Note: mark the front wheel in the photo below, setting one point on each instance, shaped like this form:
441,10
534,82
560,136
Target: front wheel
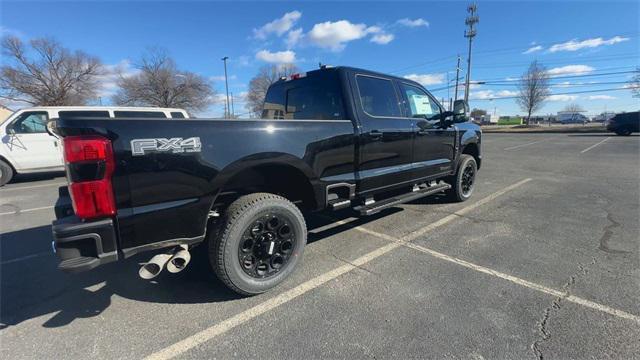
258,244
6,173
463,182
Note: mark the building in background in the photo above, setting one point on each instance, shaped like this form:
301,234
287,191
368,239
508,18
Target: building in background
4,113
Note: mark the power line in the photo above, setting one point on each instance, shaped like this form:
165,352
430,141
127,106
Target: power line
566,93
503,50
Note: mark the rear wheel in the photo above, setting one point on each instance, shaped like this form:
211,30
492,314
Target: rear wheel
624,132
258,244
463,182
6,173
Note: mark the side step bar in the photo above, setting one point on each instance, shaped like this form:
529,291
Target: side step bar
400,199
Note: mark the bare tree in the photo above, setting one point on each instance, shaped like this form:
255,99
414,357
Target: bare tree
52,75
573,108
634,84
533,89
260,83
159,83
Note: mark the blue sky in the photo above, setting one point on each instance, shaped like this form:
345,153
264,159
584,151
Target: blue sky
418,39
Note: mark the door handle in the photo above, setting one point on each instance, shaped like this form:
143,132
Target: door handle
375,134
423,132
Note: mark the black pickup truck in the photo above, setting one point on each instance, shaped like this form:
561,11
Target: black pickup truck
236,190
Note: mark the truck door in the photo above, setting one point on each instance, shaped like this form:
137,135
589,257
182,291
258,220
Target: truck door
434,145
386,136
28,144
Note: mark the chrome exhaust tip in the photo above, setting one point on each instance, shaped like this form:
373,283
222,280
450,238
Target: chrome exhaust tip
180,260
154,267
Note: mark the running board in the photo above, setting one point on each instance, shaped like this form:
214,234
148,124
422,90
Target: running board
400,199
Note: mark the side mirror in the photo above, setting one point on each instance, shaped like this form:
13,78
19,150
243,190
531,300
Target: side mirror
460,107
10,130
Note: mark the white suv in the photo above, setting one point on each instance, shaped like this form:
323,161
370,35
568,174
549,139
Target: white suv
28,148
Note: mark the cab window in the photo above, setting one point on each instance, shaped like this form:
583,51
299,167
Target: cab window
83,114
139,114
31,123
419,104
378,96
177,115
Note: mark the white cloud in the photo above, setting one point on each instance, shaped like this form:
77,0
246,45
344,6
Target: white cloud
278,26
533,49
601,97
382,38
564,84
562,97
221,77
413,23
278,57
426,79
293,37
335,35
570,70
505,93
490,94
112,72
574,45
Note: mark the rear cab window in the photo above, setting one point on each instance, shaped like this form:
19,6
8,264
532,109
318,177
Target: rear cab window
177,115
315,97
139,114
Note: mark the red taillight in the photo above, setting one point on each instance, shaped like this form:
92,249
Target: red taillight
91,198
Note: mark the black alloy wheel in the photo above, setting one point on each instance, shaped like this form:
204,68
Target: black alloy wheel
267,245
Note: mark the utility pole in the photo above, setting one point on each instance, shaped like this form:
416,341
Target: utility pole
233,111
470,33
226,86
457,78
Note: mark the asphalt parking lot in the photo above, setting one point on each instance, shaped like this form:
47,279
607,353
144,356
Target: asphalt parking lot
541,263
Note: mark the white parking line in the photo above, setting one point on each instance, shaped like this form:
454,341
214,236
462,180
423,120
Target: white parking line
207,334
27,210
523,145
594,145
31,187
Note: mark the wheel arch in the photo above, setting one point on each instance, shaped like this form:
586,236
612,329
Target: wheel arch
281,174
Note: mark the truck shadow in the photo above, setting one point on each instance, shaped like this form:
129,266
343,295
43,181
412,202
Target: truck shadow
31,286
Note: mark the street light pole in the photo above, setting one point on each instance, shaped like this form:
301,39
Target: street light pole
226,86
470,21
233,111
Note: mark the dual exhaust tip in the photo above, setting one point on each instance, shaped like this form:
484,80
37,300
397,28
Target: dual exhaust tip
175,261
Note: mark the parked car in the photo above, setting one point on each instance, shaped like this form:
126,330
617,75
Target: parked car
572,118
625,123
235,190
28,148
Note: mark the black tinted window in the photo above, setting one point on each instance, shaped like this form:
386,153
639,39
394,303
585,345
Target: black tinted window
313,102
317,96
31,123
378,97
77,114
139,114
177,115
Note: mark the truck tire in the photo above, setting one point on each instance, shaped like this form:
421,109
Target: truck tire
623,132
6,173
463,182
258,243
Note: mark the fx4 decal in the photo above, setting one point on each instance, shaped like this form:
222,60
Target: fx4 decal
173,145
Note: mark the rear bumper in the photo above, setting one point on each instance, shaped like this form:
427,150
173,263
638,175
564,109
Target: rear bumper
83,246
